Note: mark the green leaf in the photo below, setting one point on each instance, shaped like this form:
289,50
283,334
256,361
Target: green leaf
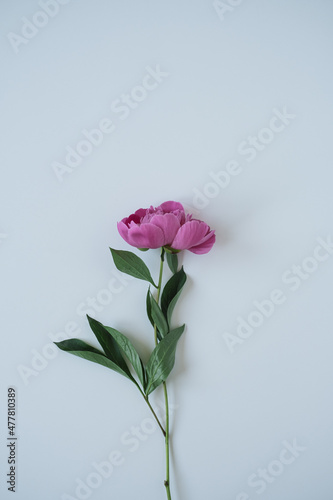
148,307
129,263
171,293
108,344
172,260
115,344
162,359
130,352
158,317
85,351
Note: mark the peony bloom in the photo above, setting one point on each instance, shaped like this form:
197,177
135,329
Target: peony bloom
166,226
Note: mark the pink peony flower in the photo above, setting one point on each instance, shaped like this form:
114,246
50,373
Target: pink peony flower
166,226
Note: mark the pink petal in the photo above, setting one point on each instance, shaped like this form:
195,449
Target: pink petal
133,217
140,213
170,206
169,224
123,229
205,246
190,234
145,236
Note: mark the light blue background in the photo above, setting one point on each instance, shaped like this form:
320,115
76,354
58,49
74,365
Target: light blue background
231,411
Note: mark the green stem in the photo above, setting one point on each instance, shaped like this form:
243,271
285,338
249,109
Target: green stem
167,454
166,433
155,334
153,412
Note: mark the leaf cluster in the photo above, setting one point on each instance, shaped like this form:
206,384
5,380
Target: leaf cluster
117,351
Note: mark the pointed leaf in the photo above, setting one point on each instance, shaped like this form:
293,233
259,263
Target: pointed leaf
171,293
131,264
115,344
130,352
108,344
162,359
158,317
85,351
172,260
148,307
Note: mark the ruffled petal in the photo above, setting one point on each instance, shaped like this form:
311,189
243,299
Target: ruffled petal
170,206
206,245
123,229
141,212
190,234
169,224
145,236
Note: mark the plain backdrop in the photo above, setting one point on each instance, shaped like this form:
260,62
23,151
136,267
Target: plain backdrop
219,74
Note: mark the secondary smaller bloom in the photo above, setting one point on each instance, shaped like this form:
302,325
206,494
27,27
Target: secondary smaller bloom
166,226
